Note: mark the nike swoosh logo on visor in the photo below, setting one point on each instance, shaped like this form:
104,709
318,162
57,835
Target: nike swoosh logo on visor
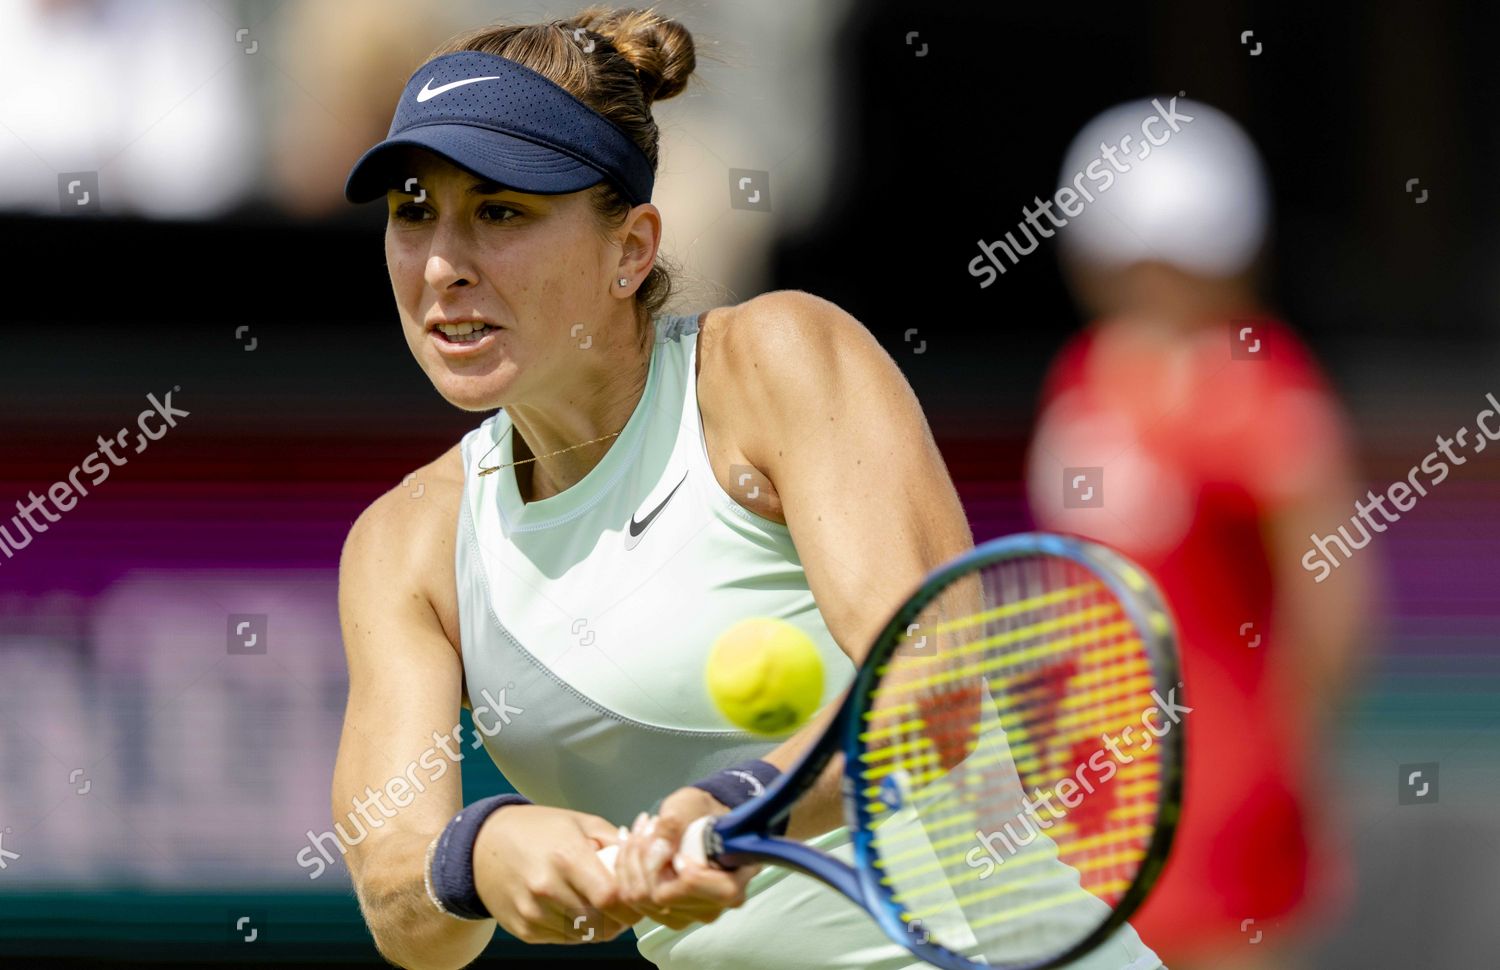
429,92
633,536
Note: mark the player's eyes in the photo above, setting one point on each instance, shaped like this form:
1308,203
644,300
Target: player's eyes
490,211
413,212
409,212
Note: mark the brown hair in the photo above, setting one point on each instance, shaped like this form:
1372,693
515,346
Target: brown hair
637,57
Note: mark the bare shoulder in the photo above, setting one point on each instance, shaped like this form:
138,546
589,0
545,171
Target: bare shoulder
782,350
780,322
402,543
761,360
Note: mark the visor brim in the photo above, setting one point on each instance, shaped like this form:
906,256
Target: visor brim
512,162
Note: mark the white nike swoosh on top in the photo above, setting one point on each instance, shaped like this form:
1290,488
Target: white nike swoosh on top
429,92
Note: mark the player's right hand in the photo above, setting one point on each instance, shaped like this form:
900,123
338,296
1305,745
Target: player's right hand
656,878
537,871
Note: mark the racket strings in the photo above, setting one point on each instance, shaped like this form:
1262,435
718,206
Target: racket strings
990,828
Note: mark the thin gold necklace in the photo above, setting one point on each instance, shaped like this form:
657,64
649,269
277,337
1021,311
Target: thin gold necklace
485,471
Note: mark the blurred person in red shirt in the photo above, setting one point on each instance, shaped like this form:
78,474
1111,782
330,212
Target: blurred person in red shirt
1192,430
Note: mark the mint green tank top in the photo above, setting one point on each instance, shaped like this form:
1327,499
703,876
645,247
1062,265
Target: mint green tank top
586,618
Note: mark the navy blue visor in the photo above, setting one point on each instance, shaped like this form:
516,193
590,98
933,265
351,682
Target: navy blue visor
505,123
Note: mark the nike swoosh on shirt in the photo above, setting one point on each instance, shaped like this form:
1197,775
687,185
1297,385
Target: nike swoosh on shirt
429,92
637,528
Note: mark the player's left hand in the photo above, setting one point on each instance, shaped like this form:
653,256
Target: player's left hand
655,880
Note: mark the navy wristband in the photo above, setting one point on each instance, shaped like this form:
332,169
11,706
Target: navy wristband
739,783
450,859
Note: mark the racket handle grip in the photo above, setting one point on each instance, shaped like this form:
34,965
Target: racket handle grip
694,845
691,846
607,854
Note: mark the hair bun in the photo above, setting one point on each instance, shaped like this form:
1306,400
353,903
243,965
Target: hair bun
660,49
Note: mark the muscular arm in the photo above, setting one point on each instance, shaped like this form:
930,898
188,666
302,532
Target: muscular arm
405,688
833,423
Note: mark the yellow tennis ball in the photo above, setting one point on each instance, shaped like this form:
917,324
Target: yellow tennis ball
765,675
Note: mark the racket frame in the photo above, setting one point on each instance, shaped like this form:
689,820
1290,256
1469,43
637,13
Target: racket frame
739,836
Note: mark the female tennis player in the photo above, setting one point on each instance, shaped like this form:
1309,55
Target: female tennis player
656,478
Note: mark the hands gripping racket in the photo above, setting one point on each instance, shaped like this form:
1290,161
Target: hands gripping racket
1012,760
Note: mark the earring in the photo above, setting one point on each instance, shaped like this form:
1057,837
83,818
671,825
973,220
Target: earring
624,281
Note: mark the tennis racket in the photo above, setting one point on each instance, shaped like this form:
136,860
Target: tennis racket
1012,760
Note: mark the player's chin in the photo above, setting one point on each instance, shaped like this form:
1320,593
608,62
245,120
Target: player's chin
482,382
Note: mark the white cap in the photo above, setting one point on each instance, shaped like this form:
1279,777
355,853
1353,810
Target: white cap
1199,200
